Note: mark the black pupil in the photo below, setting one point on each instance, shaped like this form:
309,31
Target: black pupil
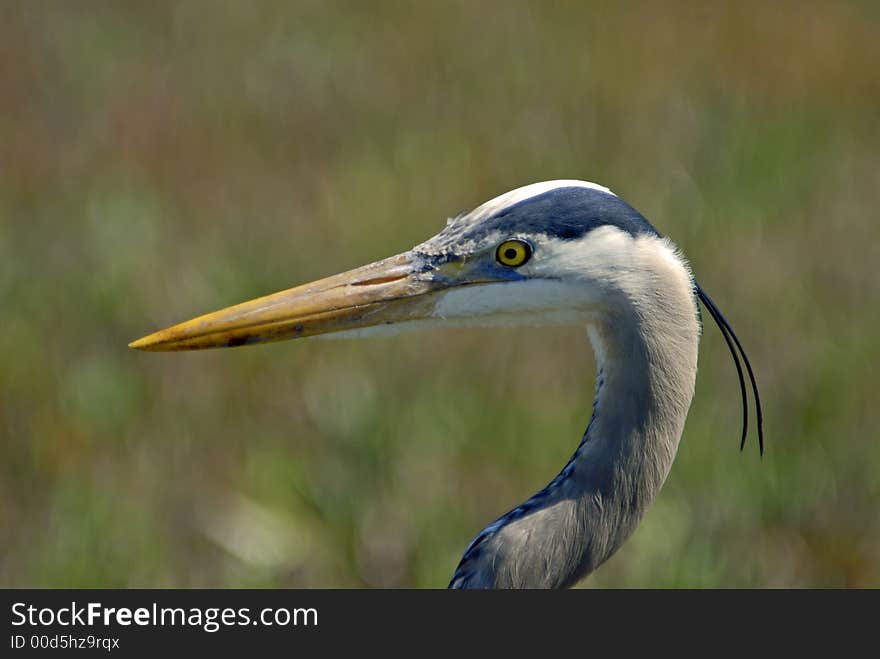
510,253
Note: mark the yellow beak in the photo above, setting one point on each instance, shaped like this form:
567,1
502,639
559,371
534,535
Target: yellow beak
385,292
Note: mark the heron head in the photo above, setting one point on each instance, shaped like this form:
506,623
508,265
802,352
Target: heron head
551,252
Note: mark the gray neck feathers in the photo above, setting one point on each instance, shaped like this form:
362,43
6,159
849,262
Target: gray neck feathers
646,351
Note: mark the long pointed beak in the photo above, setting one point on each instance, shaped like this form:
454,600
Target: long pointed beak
385,292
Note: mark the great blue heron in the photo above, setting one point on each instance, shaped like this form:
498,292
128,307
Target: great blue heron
557,252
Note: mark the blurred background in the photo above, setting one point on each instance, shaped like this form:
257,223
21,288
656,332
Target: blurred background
160,160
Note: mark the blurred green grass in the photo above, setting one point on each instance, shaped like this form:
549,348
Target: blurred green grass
164,159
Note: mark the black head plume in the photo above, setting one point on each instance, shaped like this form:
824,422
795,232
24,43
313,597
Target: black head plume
733,345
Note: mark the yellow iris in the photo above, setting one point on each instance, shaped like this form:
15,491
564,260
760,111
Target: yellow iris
513,253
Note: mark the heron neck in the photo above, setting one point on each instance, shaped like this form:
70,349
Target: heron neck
646,375
645,384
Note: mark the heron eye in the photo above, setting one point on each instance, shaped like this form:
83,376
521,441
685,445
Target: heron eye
513,253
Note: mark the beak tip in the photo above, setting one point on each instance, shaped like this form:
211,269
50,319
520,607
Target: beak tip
147,343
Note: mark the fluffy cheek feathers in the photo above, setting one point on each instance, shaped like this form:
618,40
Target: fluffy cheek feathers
572,281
